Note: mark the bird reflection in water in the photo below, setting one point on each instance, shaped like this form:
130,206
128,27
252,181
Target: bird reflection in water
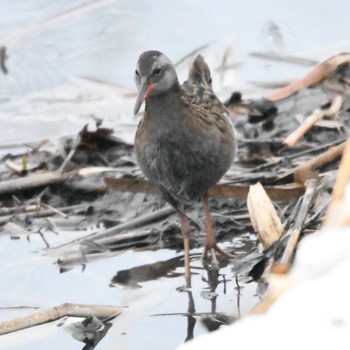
132,277
211,319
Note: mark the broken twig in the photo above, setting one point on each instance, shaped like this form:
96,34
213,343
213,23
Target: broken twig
319,73
309,122
294,233
305,171
282,193
72,310
280,57
109,235
34,181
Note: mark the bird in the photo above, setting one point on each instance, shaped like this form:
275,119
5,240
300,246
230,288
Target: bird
185,141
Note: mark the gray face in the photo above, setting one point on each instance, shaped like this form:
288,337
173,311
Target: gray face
153,67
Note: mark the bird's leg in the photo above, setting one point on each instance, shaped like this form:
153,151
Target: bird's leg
185,230
210,243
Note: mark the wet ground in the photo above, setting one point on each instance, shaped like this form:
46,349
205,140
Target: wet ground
71,63
156,314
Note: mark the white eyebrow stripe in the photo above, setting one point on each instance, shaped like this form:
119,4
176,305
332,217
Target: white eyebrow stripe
162,60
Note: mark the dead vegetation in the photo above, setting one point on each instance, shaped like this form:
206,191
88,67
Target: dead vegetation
280,187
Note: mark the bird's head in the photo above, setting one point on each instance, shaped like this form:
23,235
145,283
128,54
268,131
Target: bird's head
154,75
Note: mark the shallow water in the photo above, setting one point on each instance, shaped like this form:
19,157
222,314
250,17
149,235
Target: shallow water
156,315
70,60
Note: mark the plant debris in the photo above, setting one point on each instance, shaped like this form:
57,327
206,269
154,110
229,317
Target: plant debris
280,187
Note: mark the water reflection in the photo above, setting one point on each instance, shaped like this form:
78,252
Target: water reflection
90,331
191,319
148,272
209,315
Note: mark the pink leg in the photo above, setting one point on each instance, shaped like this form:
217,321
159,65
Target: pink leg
185,229
210,243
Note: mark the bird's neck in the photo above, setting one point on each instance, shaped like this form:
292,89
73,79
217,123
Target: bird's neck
165,106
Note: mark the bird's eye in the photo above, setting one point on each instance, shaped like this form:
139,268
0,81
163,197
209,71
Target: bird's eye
156,71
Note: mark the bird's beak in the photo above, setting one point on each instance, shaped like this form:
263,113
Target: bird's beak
145,90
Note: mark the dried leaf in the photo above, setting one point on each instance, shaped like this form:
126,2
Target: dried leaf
263,215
